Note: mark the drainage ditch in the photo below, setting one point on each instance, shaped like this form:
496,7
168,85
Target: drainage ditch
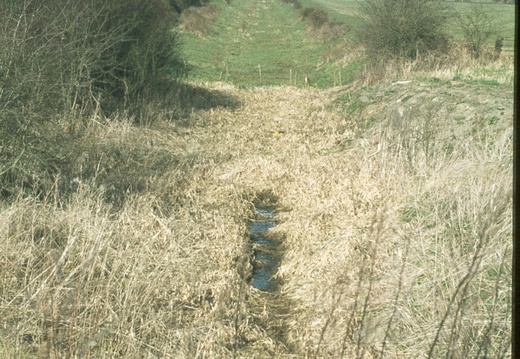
266,256
268,305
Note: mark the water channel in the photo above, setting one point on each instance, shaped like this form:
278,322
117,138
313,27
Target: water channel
266,254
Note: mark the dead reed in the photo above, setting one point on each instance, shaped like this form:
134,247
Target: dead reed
396,218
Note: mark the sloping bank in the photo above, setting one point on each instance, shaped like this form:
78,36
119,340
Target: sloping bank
399,198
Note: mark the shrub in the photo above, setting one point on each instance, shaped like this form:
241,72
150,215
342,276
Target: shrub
315,17
146,51
477,27
91,48
181,5
402,28
62,59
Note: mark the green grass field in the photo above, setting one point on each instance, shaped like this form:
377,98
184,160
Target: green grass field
264,43
346,11
503,16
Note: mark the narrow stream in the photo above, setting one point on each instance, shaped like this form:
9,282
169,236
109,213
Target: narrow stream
266,256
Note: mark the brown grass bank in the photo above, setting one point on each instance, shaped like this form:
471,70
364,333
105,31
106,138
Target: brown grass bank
398,215
394,202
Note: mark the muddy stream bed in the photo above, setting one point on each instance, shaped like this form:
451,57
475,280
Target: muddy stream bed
268,304
266,252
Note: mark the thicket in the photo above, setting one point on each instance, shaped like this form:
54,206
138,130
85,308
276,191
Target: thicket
316,17
477,27
180,5
318,22
63,59
403,28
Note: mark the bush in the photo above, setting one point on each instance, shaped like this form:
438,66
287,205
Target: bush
402,28
315,17
90,49
180,5
145,52
62,59
477,27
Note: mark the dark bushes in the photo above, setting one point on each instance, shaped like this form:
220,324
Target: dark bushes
77,51
64,58
315,17
319,24
403,28
295,3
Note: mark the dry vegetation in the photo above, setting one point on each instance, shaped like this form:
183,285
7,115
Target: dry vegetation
319,26
394,202
126,237
199,20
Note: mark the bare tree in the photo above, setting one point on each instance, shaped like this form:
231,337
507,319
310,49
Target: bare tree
477,26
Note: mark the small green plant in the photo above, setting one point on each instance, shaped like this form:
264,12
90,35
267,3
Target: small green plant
486,82
408,214
448,148
457,77
493,120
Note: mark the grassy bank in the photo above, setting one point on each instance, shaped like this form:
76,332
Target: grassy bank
394,202
264,43
270,43
502,17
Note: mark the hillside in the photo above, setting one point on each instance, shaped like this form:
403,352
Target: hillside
392,213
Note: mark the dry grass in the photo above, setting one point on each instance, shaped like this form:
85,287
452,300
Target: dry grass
457,60
157,274
396,219
199,20
371,235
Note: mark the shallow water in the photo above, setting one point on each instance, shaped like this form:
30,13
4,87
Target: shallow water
266,256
